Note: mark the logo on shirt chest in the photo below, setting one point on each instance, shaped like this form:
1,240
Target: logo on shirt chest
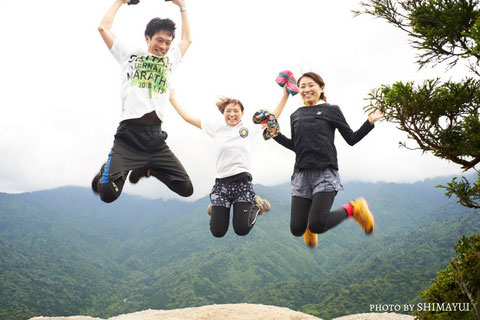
243,132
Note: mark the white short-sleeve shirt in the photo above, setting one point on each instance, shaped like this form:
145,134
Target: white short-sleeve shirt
233,145
145,79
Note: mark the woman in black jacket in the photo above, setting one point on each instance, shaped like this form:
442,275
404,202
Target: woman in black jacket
315,180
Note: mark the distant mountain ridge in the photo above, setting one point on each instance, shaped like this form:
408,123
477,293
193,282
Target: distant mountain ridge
64,252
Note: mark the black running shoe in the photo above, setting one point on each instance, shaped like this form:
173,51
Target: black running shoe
137,174
97,178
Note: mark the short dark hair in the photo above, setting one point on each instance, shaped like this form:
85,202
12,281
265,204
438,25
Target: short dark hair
224,102
316,78
157,24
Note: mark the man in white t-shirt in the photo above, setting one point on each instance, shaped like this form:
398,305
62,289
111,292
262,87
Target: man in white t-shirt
139,144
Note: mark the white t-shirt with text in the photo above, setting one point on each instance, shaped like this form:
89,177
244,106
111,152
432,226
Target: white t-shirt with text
145,79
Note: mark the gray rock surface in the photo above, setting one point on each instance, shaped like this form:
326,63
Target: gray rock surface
240,311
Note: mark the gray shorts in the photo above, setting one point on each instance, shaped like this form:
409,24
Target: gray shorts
306,183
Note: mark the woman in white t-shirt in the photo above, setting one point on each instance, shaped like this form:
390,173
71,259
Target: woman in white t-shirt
233,180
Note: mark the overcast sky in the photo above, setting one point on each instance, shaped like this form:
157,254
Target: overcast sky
60,98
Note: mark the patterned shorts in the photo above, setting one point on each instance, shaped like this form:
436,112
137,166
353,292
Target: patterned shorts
224,194
308,182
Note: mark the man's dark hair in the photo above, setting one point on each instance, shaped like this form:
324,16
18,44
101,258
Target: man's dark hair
157,24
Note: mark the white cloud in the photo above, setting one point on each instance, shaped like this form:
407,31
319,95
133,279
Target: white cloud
60,100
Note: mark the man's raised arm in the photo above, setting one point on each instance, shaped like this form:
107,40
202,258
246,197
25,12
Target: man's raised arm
186,35
105,27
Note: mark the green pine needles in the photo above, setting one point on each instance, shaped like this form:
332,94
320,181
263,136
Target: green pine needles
439,117
459,284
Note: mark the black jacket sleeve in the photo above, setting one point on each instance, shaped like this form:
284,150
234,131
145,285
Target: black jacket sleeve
284,141
350,136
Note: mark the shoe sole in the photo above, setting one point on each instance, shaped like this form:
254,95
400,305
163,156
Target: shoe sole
366,211
256,216
95,183
134,179
262,204
310,239
96,179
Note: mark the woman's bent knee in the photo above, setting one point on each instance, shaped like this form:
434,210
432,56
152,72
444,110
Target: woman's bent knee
297,231
217,232
317,228
241,230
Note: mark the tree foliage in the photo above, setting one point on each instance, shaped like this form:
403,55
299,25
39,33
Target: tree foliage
442,30
439,117
458,283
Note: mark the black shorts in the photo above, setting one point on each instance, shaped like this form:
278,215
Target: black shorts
138,146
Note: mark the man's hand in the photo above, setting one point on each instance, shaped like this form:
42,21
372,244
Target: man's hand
105,27
186,36
179,3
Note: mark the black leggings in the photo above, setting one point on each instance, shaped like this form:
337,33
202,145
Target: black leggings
220,219
316,213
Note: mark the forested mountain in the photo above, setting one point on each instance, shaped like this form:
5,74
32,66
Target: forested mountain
63,252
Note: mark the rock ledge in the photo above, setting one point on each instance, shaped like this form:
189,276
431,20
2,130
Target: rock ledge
241,311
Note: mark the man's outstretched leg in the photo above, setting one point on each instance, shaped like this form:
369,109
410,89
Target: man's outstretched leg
182,187
166,167
108,191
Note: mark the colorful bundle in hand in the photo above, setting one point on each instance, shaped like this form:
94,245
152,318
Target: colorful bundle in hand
263,116
286,78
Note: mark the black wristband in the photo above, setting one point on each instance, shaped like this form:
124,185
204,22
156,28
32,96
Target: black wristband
133,2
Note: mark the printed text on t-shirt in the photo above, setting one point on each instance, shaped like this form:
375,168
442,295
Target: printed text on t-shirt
149,72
